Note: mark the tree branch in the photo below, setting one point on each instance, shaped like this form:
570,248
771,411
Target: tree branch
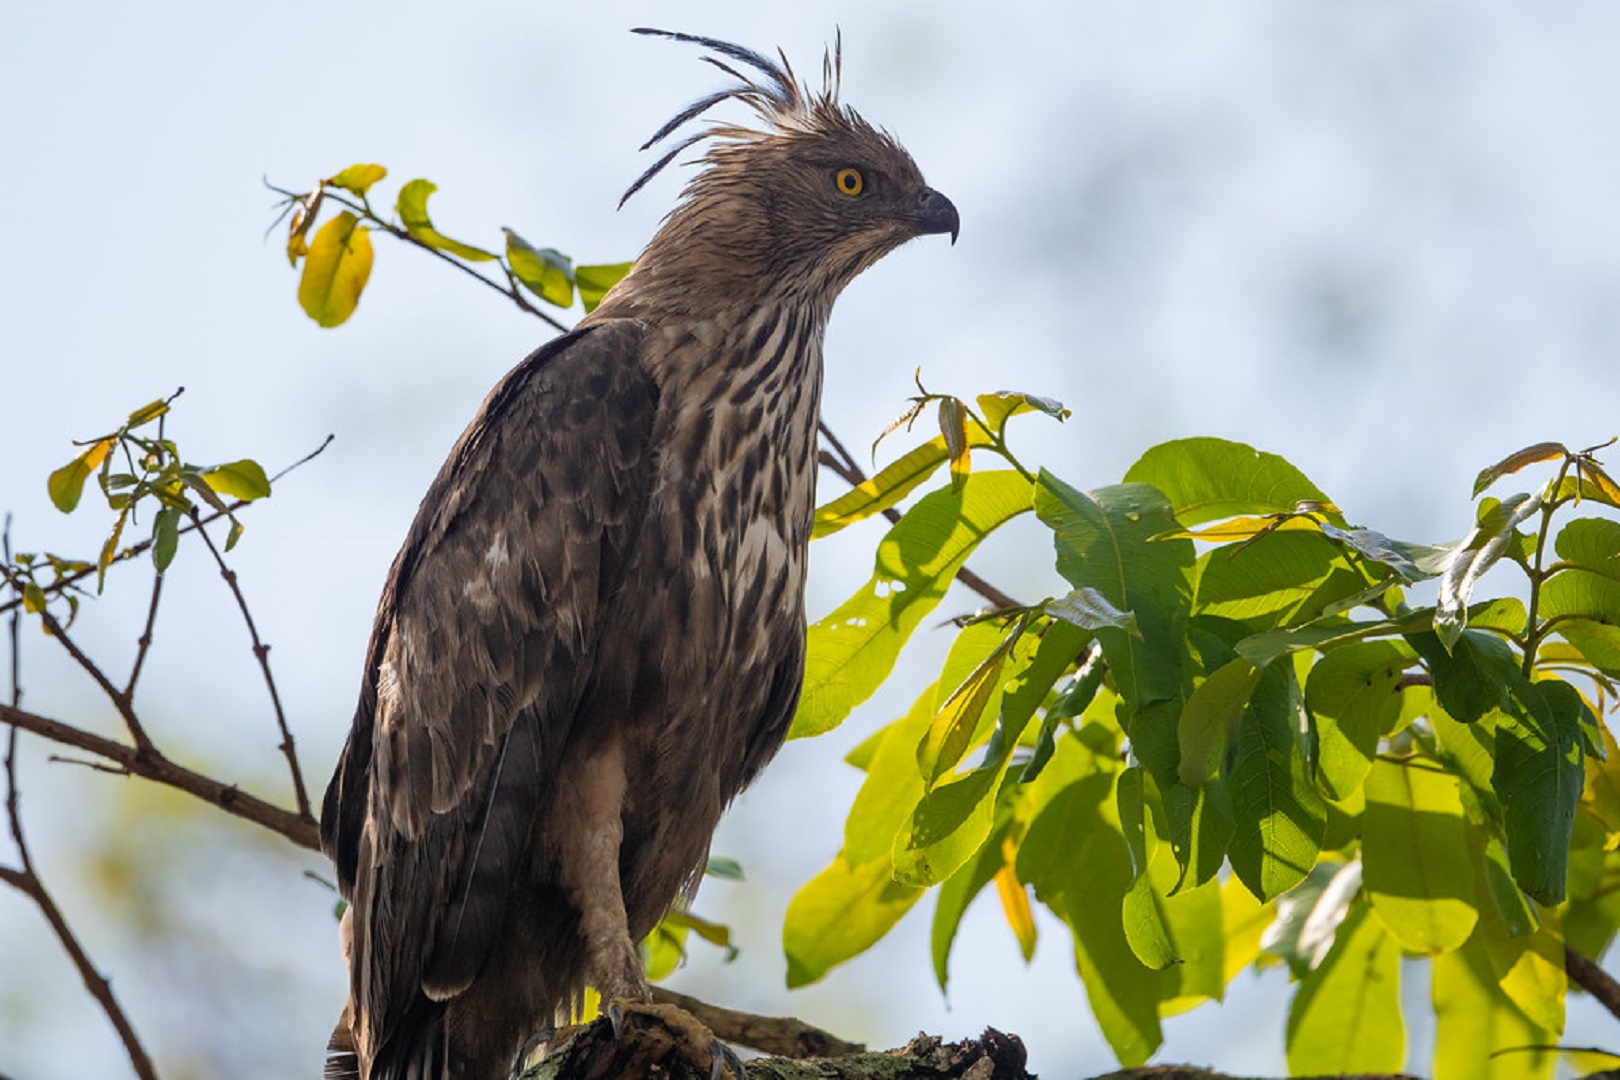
1586,974
262,652
780,1036
27,881
120,700
150,764
143,644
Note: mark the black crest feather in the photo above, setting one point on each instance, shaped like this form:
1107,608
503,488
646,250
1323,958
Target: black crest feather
774,93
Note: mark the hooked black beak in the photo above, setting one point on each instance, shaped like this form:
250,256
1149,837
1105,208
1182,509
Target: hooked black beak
937,214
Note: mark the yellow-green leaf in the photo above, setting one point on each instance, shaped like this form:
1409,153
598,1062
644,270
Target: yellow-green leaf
1474,1020
546,272
67,483
1346,1017
243,480
33,598
358,178
335,270
853,649
593,282
413,214
1415,864
147,413
839,914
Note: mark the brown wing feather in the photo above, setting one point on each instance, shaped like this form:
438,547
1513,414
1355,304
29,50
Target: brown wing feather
480,650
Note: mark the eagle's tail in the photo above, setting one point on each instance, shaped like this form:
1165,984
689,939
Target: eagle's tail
418,1050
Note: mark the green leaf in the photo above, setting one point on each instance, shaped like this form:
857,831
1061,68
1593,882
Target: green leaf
1592,544
546,272
335,270
1267,581
1076,859
1346,1016
234,535
723,869
412,209
891,789
839,914
1416,868
1413,562
952,730
852,650
1279,816
1206,479
593,282
33,598
956,894
243,480
1209,716
1199,823
1539,774
165,537
1352,691
1104,541
950,823
1142,914
1479,551
1474,1021
358,178
66,484
1471,678
109,550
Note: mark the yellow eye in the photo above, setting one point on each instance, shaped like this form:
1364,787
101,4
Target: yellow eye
849,181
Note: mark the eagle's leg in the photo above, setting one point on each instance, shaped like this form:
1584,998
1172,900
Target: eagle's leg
589,863
595,794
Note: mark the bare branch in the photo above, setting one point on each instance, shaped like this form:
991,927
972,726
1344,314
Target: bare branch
261,651
150,764
143,644
120,700
1585,973
27,881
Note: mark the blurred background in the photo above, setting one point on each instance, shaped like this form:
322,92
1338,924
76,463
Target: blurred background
1379,239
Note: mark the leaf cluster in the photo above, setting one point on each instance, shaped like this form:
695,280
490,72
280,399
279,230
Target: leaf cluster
337,257
134,466
1237,741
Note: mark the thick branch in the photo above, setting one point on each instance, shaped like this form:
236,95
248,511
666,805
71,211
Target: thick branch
595,1051
150,764
781,1036
1586,974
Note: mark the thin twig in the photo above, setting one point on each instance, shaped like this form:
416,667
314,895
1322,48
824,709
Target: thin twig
26,880
139,548
144,643
120,700
288,747
150,764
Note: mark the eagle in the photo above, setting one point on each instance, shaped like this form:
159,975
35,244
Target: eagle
593,637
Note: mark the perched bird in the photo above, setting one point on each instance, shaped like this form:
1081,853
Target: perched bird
594,635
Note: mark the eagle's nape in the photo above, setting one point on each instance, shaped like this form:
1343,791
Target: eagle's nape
593,637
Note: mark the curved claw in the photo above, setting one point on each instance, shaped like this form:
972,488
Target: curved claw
615,1015
723,1057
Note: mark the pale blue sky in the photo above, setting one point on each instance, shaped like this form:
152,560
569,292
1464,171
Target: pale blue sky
1377,238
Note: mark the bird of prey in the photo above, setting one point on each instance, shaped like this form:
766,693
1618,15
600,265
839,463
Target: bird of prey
594,635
